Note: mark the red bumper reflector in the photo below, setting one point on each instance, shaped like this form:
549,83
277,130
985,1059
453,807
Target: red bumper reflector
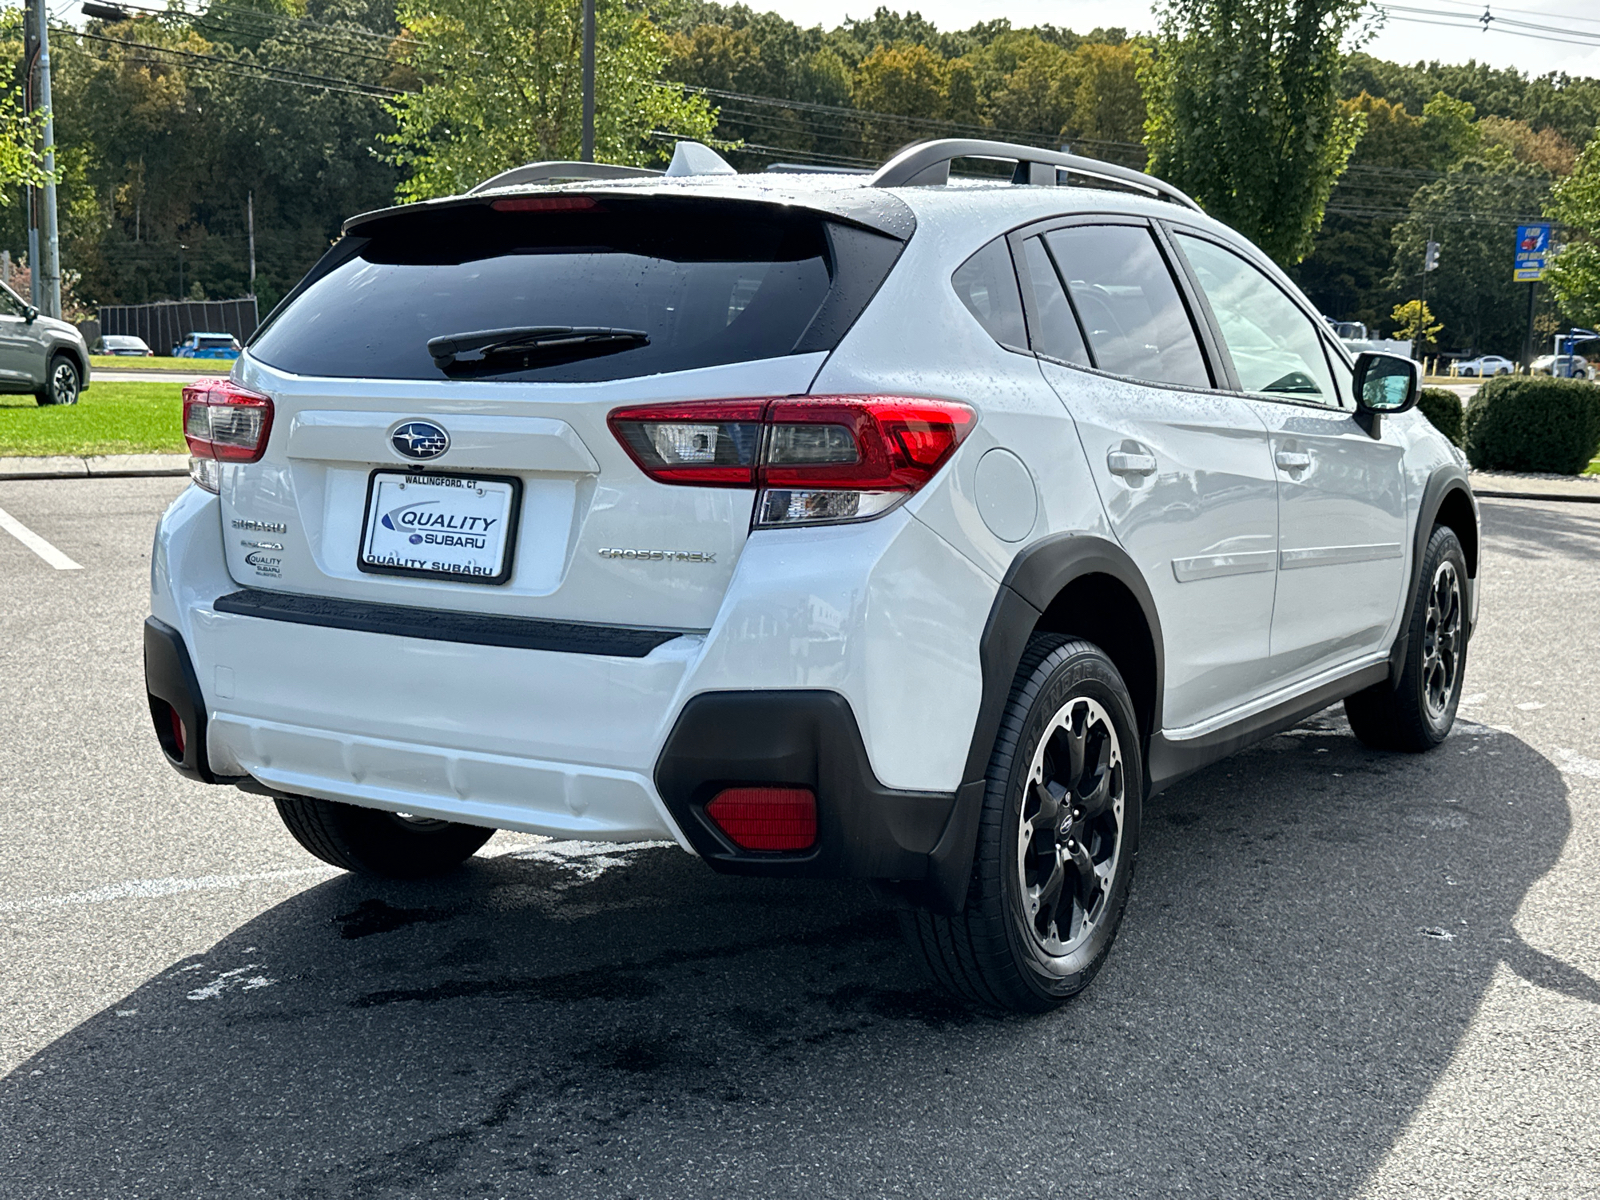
766,818
178,739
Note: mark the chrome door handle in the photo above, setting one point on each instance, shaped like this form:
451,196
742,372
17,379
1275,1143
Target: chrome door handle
1291,461
1120,462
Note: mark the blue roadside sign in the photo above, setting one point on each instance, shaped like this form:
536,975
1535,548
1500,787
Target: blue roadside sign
1533,248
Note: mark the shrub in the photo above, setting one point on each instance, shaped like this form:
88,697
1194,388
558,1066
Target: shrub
1443,408
1533,423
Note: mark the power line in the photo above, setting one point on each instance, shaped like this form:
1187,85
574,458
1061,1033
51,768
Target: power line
261,70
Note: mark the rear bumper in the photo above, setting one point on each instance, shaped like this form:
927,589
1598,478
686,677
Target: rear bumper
836,663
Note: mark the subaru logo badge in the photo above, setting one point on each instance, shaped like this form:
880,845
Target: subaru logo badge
419,439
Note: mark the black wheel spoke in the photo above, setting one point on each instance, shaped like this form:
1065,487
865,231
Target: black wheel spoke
1071,817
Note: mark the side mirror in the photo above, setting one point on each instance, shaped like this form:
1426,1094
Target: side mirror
29,313
1384,383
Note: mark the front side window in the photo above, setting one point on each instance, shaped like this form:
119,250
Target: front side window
10,305
1133,317
987,285
1275,347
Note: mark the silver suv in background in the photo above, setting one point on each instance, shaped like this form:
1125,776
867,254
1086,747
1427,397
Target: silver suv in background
40,354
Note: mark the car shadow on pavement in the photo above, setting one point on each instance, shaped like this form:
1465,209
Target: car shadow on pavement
1312,929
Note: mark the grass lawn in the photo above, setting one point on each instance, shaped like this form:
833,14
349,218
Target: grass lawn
203,366
1593,468
109,418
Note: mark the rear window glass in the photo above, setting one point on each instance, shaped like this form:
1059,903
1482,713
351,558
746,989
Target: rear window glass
987,285
705,284
1130,308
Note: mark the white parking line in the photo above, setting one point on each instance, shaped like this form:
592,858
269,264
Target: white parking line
37,544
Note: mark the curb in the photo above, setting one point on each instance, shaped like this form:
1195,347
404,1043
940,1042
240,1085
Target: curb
94,466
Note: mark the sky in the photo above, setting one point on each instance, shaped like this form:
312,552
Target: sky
1446,30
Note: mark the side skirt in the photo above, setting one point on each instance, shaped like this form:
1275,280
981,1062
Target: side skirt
1171,759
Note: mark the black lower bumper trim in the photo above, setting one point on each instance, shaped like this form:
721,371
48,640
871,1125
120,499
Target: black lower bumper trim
517,633
172,689
801,739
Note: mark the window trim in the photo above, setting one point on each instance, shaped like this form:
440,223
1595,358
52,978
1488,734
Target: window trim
1204,335
1341,403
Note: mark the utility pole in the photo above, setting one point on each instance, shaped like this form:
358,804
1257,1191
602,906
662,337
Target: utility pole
50,267
250,223
589,82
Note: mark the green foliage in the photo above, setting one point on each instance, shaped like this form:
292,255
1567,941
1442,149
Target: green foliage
500,85
1472,291
1442,407
1555,101
1244,108
1413,321
1533,423
1575,272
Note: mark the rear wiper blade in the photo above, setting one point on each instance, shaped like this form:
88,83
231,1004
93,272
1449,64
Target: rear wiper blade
529,339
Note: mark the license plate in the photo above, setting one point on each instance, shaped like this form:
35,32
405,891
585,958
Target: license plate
459,527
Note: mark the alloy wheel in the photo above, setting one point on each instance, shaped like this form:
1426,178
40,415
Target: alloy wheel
1069,840
63,384
1441,641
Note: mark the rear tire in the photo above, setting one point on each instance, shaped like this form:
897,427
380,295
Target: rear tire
372,842
1418,713
1056,841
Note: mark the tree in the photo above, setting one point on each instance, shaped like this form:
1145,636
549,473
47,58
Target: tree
1575,273
1413,321
500,86
1245,115
1473,213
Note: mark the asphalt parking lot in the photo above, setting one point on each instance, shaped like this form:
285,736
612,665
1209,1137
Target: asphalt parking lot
1342,974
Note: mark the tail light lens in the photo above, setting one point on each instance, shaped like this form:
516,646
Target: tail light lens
766,818
223,422
817,459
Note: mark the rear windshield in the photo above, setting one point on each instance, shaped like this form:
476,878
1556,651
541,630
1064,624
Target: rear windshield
705,284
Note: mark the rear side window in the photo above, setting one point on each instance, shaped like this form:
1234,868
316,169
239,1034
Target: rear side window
1054,328
678,283
1133,317
987,285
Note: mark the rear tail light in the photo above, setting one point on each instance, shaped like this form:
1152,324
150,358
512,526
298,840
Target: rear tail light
223,422
816,459
766,818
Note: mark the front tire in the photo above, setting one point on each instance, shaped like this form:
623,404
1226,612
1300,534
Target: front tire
1057,838
1418,713
371,842
62,382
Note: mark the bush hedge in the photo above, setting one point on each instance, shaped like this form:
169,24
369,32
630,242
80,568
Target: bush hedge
1443,408
1533,423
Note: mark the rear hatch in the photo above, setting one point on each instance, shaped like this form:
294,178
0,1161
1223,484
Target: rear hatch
545,312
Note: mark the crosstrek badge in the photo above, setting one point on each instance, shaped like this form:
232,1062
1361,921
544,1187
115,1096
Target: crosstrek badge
442,526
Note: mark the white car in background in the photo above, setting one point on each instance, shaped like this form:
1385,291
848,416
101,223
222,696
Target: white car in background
1568,366
899,528
1485,366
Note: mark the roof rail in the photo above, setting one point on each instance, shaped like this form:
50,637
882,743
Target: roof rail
929,163
560,172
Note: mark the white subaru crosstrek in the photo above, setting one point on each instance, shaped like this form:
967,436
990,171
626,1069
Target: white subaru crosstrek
893,527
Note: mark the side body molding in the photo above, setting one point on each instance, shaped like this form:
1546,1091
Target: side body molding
1036,577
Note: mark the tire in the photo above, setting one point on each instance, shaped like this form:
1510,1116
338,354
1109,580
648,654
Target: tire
1417,714
62,383
1069,722
371,842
